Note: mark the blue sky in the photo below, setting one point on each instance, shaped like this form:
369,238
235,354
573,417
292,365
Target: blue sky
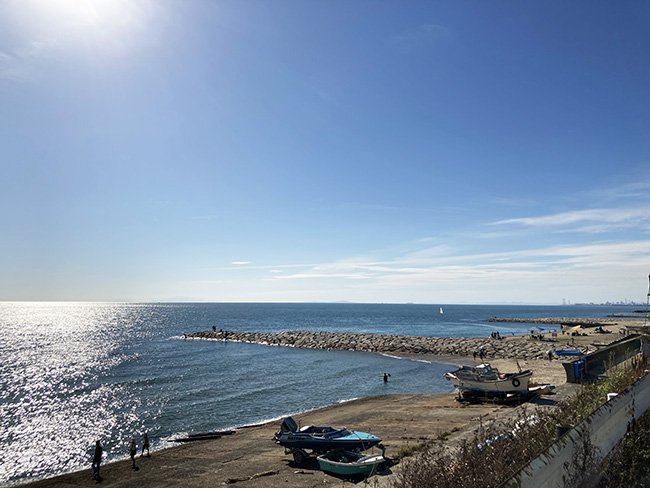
371,151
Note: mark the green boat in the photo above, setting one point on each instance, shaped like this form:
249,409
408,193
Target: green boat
341,461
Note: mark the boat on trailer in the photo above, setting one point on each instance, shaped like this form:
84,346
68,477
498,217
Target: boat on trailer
320,439
485,379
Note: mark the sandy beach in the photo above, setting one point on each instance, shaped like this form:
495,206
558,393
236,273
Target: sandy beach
250,458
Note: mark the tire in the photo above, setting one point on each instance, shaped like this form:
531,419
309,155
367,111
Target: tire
299,456
516,382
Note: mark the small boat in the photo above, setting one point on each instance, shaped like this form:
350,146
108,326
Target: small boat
485,379
441,310
341,461
568,352
204,436
321,439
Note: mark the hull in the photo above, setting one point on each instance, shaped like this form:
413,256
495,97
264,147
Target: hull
355,441
321,439
487,380
568,352
350,463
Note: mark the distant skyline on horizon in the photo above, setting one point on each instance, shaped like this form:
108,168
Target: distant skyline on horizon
284,151
189,300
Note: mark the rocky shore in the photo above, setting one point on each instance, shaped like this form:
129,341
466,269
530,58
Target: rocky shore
505,348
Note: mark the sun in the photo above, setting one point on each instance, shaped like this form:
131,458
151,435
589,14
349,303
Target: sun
107,26
81,13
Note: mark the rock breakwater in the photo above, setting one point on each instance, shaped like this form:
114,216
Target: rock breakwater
510,348
572,321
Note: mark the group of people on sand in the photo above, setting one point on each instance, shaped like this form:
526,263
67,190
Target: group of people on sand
481,353
133,450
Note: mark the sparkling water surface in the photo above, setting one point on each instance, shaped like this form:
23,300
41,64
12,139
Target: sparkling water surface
72,373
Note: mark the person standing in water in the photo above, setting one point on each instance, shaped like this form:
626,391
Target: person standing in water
145,445
97,460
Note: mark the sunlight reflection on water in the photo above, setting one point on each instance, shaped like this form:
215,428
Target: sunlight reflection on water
51,407
72,373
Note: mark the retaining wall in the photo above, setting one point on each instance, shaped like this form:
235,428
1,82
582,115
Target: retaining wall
604,429
595,364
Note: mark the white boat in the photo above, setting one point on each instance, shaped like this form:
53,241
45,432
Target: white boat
485,379
441,310
340,461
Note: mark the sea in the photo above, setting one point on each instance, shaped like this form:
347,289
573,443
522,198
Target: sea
74,373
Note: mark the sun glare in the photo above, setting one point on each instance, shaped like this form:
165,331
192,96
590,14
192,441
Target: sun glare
110,23
82,13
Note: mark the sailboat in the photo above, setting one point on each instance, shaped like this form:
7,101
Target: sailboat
441,310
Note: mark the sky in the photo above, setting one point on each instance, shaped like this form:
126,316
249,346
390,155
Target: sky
325,150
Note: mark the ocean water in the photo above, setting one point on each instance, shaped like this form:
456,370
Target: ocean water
72,373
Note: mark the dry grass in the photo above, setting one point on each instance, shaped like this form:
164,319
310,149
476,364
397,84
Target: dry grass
494,455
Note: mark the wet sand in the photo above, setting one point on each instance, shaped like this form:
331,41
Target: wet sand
250,457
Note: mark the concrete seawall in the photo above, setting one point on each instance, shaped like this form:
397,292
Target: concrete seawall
507,348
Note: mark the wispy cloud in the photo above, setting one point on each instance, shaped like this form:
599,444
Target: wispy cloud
503,270
598,220
347,276
35,48
242,265
465,266
17,64
12,68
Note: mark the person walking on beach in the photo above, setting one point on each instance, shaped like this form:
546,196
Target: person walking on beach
132,452
97,460
145,445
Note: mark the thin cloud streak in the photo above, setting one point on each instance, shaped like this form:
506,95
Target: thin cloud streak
412,271
606,218
243,265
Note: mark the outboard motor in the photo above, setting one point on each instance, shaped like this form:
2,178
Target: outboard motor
288,426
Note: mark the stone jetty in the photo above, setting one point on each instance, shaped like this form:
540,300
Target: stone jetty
570,321
507,348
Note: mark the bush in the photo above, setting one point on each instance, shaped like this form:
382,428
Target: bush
493,455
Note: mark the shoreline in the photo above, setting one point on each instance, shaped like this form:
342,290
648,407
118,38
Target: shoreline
401,420
251,459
